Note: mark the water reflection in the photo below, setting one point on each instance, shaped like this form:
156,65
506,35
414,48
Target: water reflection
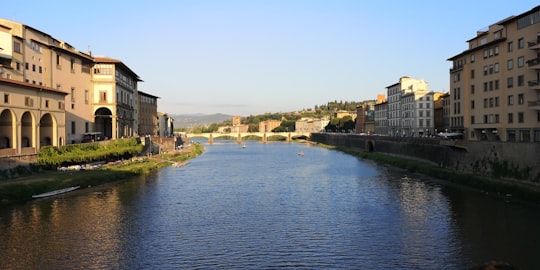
266,207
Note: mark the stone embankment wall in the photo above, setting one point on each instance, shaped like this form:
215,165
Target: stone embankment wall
519,161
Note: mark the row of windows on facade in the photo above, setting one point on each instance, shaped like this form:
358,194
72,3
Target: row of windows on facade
493,68
495,118
29,102
490,52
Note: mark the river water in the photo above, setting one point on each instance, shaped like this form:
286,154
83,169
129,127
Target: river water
266,207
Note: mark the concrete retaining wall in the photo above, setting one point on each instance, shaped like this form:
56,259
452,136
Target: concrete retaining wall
514,160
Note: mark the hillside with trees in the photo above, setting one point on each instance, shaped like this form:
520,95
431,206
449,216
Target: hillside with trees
287,119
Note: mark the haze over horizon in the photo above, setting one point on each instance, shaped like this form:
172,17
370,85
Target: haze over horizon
243,57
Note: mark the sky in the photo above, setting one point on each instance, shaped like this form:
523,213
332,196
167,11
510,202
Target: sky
250,57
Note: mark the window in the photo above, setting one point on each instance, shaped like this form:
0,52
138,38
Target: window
73,129
86,127
491,102
510,46
16,47
485,70
60,105
103,96
472,58
497,118
485,102
496,101
510,100
46,103
29,102
521,117
472,104
58,60
6,98
510,82
510,118
521,43
72,94
472,89
86,96
72,64
520,62
496,84
510,64
472,119
26,66
472,73
40,69
521,99
521,80
496,67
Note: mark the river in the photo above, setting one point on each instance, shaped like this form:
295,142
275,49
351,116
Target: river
266,207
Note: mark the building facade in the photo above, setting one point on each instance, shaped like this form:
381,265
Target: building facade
39,59
31,116
404,107
495,82
147,114
115,102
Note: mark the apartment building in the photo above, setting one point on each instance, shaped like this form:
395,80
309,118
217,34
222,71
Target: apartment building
365,120
148,117
381,119
410,108
115,98
495,82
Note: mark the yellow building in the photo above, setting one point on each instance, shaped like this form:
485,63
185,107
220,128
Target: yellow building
37,58
31,116
494,83
114,98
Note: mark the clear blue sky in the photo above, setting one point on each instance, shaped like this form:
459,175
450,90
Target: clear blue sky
244,57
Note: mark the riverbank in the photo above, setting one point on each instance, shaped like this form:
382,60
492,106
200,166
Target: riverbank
504,188
21,189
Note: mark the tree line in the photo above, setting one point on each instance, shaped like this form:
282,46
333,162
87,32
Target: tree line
288,119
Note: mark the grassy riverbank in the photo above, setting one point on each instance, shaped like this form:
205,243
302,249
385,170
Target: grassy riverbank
22,188
500,187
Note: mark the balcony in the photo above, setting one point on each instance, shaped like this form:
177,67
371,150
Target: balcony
534,63
534,85
456,68
535,105
534,45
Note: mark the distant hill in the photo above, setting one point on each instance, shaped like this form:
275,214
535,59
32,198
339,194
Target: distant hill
193,120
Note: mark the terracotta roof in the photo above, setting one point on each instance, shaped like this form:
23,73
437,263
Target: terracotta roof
32,86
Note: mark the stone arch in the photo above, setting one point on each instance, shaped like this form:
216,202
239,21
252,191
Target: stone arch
7,129
47,130
103,120
28,131
370,146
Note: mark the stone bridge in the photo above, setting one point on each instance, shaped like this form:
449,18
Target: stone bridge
241,135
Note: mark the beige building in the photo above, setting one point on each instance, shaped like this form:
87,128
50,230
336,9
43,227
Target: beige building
148,116
495,82
311,125
381,119
114,98
39,59
31,116
404,107
268,125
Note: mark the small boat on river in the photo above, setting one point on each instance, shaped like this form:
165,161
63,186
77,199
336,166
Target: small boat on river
55,192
